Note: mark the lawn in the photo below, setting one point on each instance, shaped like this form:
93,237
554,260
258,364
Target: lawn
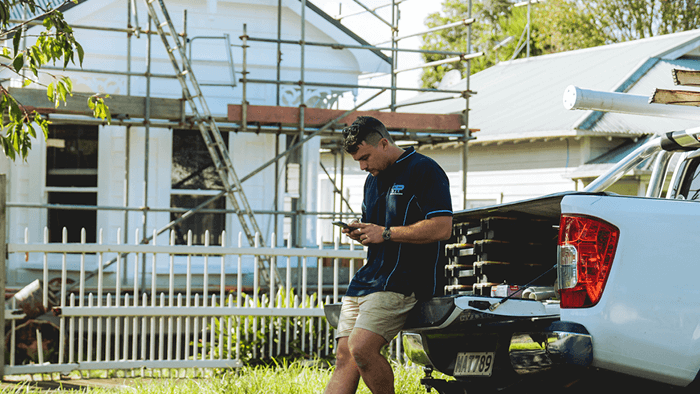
294,378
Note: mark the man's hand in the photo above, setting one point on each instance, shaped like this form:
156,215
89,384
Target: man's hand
365,233
350,230
425,231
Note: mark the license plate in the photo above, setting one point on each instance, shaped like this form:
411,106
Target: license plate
474,364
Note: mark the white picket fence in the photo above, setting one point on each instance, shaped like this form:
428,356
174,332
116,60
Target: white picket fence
120,326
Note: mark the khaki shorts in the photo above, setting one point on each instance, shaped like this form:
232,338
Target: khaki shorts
383,313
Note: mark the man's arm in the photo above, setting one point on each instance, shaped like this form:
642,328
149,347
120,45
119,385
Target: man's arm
438,228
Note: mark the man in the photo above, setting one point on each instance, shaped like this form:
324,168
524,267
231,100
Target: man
406,212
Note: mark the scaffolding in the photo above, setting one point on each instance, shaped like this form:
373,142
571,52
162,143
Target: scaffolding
301,123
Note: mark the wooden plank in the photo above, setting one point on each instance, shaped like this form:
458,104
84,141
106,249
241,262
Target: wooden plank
318,117
119,106
676,97
686,77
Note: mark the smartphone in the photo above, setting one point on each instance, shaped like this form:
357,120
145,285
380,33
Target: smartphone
341,224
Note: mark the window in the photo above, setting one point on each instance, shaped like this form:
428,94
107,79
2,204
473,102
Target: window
200,222
71,179
73,220
71,156
194,180
192,165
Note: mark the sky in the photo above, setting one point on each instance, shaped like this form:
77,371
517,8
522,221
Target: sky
412,20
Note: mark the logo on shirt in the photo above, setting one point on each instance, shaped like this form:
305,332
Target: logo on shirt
397,190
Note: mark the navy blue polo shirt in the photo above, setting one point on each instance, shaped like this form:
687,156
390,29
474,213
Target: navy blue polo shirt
412,189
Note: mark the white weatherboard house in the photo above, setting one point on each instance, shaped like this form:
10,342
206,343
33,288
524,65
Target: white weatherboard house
85,163
528,144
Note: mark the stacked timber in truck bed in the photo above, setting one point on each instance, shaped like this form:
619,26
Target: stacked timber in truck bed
500,250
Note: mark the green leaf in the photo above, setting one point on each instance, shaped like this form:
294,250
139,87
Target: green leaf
6,53
39,55
107,113
99,108
33,55
62,91
49,92
18,63
43,123
27,82
7,148
81,53
4,13
66,57
31,130
24,146
15,113
16,39
15,136
69,84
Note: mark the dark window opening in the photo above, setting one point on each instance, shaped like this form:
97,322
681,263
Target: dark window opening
200,222
73,220
193,167
71,156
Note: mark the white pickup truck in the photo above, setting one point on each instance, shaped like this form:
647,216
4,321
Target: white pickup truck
596,280
573,282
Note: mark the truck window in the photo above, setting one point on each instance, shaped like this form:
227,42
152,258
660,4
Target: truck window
691,184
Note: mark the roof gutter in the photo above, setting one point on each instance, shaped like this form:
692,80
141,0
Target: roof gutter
548,135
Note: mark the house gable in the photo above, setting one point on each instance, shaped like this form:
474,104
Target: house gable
320,26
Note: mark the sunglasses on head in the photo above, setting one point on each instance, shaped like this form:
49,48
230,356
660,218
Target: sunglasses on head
351,130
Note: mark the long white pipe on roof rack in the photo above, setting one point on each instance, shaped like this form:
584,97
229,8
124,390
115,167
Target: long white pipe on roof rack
584,99
577,98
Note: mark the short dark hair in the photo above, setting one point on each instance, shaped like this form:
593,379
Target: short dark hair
364,129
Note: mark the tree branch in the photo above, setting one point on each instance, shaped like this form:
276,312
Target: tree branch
9,33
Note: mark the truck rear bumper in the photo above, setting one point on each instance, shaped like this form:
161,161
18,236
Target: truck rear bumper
570,343
529,352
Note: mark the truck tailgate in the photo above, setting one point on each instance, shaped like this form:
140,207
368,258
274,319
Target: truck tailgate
647,321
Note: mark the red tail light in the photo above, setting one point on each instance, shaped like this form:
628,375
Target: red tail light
586,251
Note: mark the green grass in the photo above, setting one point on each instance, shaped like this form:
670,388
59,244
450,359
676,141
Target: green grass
294,378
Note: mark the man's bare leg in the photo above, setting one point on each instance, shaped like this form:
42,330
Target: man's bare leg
365,347
346,376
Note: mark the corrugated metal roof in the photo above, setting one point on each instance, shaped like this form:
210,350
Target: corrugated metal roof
523,98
